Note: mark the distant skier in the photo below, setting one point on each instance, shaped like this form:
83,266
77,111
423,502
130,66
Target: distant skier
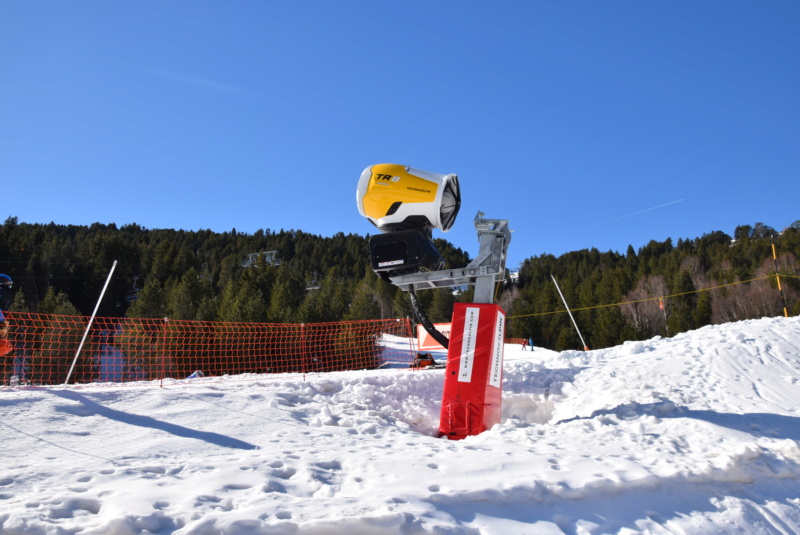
5,291
5,346
5,302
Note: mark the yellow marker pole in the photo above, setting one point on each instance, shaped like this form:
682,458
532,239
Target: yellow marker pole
778,278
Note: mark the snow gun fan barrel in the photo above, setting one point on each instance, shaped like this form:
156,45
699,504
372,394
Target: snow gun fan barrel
398,197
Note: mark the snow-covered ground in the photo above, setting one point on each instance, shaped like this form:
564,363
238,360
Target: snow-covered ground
695,434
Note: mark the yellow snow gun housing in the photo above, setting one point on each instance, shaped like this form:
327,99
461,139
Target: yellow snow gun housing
406,204
397,197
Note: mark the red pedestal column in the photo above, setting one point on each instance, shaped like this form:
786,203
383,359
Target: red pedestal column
474,373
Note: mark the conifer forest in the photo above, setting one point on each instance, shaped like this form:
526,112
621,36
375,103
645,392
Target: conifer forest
289,276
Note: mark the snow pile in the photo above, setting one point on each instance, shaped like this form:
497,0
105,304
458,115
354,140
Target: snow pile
694,434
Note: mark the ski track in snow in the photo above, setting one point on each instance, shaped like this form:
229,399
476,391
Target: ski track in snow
699,433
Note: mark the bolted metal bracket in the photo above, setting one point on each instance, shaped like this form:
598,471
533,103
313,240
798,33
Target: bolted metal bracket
484,271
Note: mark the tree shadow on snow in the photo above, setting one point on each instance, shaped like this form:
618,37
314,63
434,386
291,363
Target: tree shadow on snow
90,408
674,504
759,424
540,381
652,503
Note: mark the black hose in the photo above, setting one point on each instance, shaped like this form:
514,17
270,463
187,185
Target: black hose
426,323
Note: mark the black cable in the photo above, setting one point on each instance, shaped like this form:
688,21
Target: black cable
426,323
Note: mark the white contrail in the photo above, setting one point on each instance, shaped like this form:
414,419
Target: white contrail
198,81
643,211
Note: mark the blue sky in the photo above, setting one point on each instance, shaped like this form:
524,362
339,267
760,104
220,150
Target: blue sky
584,123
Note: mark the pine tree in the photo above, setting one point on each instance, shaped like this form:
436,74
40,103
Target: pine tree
54,346
703,310
681,317
184,298
441,308
365,304
57,302
151,301
288,294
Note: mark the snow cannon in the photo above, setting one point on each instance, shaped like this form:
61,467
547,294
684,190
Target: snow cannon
406,204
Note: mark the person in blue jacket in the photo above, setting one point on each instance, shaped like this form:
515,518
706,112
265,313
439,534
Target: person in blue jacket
5,301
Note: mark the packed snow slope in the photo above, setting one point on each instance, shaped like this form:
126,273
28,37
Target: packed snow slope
693,434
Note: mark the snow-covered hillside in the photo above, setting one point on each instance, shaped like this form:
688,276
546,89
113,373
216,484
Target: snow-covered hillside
694,434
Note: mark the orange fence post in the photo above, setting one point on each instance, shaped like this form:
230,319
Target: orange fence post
303,347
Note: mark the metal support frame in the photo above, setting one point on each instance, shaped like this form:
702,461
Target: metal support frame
484,272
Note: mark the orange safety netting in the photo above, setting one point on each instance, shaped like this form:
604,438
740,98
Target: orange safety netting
133,349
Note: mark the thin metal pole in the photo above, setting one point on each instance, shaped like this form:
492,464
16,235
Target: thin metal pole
585,347
91,320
